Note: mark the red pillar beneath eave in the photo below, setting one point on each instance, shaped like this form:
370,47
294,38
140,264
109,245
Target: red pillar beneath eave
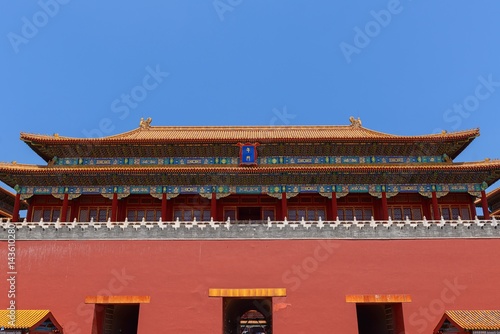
284,206
17,206
64,210
435,207
164,207
484,204
335,207
385,210
213,206
29,214
472,208
114,208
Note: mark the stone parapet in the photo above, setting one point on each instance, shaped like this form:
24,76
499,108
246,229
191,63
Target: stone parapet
260,230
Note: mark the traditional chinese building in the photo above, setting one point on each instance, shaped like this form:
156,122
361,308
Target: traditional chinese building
302,229
250,173
7,201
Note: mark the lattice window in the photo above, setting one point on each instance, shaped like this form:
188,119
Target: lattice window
98,213
49,214
230,213
400,212
268,213
453,211
348,213
149,214
314,213
189,214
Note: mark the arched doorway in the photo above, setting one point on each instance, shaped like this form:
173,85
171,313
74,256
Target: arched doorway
248,315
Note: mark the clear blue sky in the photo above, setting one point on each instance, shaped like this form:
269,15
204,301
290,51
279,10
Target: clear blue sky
84,68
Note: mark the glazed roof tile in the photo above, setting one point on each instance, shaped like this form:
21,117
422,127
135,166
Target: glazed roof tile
24,318
361,168
248,133
476,319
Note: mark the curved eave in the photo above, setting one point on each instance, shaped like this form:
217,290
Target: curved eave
488,172
492,197
267,135
5,214
493,166
9,198
49,146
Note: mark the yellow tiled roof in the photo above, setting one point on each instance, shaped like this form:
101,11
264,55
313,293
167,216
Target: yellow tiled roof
249,133
24,318
476,319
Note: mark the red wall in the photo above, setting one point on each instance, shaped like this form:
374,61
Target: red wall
57,275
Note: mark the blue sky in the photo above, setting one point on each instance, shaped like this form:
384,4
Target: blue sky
88,68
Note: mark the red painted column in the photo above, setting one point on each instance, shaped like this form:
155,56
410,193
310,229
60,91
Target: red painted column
164,207
284,206
17,206
484,204
335,207
114,208
75,207
29,214
64,210
385,210
213,206
435,206
472,208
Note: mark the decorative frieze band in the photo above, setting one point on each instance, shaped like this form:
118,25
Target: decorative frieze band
274,191
278,160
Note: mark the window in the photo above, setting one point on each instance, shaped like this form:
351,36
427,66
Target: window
189,214
400,212
149,214
297,213
348,213
453,211
49,214
230,213
99,214
268,213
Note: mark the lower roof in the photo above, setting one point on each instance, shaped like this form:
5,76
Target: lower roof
456,173
7,200
475,319
23,318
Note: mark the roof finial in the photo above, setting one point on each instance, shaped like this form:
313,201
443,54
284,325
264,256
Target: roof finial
145,124
355,122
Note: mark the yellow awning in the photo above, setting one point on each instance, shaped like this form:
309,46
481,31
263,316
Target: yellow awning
263,292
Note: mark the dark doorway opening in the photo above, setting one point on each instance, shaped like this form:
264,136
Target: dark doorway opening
247,315
249,213
117,318
383,318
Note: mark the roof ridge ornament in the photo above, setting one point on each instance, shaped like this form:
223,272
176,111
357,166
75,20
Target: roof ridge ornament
145,124
356,123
